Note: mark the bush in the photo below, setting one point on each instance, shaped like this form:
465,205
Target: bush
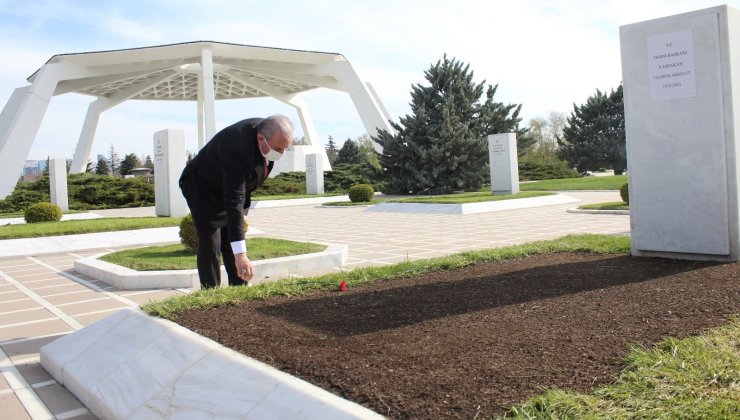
533,171
624,193
43,212
283,183
189,235
361,193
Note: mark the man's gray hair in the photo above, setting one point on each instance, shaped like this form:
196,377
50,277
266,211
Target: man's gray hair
276,123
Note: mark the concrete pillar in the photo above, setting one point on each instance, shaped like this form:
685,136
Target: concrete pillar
314,174
169,161
84,144
504,163
58,183
20,122
209,95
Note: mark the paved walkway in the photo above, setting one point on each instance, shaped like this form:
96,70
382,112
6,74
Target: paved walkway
43,298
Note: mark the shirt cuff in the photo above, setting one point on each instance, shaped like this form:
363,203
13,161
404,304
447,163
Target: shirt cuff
239,247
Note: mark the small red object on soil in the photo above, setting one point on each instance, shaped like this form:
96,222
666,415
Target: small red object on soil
343,286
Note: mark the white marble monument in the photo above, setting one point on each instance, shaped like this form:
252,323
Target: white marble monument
58,183
504,163
169,161
681,88
314,174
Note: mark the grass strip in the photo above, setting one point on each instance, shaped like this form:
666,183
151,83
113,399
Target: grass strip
612,205
210,298
468,197
694,378
586,183
179,257
72,227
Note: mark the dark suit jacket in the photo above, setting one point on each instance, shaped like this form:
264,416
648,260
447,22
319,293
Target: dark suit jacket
225,172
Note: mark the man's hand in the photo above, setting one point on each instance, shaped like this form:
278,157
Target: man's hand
243,267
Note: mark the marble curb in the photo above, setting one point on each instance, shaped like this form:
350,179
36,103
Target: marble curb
472,208
65,217
133,366
591,211
265,270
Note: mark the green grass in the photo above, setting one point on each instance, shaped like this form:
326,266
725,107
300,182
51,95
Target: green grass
210,298
468,197
11,215
585,183
359,203
71,227
292,196
612,205
694,378
178,257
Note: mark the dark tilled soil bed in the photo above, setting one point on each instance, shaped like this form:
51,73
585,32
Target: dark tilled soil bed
477,340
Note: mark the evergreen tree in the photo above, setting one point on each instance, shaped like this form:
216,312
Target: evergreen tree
594,137
367,150
89,167
331,150
349,153
148,163
102,167
129,162
442,147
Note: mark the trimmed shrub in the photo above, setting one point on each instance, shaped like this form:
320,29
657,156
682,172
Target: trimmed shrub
43,212
189,235
361,193
624,193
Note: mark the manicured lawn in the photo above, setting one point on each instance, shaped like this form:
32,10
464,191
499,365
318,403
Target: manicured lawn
71,227
469,197
612,205
359,203
292,196
178,257
585,183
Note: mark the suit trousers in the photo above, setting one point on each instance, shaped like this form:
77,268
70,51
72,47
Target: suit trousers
213,238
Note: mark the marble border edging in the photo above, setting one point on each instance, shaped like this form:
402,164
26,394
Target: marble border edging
266,270
134,366
592,211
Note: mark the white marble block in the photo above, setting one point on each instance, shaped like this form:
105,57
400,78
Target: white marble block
504,163
169,161
58,183
681,75
314,174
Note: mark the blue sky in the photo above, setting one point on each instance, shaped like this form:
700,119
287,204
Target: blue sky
545,55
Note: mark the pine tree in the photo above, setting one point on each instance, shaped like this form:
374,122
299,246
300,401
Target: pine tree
148,163
129,162
89,167
331,151
102,167
442,147
349,153
594,137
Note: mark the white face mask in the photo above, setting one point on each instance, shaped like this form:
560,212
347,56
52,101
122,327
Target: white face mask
272,155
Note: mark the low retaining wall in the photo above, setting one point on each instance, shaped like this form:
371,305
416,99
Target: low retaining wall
265,270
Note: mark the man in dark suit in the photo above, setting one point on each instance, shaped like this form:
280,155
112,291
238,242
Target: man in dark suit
218,184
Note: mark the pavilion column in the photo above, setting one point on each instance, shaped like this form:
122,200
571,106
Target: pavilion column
201,129
208,93
84,144
21,121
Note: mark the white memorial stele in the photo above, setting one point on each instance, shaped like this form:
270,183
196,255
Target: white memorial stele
504,163
314,174
58,183
169,161
681,78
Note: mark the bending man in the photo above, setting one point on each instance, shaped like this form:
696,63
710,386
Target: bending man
218,184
